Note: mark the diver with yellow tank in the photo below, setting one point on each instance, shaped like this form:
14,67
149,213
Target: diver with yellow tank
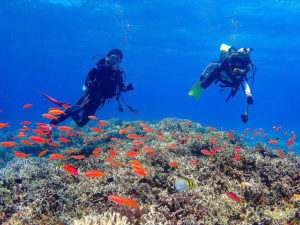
231,70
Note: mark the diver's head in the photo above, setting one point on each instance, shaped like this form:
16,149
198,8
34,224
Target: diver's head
115,56
240,58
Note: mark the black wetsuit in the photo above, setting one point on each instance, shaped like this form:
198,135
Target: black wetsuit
231,71
103,82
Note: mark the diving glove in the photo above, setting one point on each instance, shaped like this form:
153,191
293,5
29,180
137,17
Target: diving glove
129,87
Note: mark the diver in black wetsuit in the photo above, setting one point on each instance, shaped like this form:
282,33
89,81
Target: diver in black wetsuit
102,83
231,70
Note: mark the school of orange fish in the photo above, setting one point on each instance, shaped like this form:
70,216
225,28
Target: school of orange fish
38,136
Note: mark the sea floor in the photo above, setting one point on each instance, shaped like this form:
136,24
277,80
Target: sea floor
228,182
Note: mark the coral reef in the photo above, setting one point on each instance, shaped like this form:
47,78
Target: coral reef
36,190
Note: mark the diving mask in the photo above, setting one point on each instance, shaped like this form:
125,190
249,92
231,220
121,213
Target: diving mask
115,59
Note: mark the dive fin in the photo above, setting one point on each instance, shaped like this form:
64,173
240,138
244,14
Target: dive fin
54,100
196,90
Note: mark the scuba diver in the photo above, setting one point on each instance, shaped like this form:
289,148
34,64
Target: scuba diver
102,83
231,70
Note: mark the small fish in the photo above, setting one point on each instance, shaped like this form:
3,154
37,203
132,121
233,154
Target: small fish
138,142
26,128
64,140
246,130
43,152
70,151
278,128
280,153
132,153
122,131
54,144
25,142
57,112
96,150
26,122
285,133
94,173
148,129
124,201
160,137
171,146
78,156
198,136
80,133
211,128
233,197
65,128
213,140
117,164
38,139
188,123
256,133
173,164
71,169
20,154
110,159
130,127
101,124
49,116
93,117
4,125
132,136
66,105
140,171
103,121
149,150
182,184
264,135
262,130
229,135
8,143
174,135
57,156
27,105
194,162
39,132
71,134
237,156
206,152
272,141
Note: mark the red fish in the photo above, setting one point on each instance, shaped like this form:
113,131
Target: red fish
256,133
237,156
229,135
39,132
38,139
280,153
20,154
49,116
132,136
110,159
70,151
43,152
64,140
194,162
173,164
93,117
57,156
171,146
8,143
272,141
27,105
132,154
80,133
124,201
65,128
211,128
138,142
206,152
25,142
188,123
71,134
140,171
26,122
233,196
149,150
101,124
117,164
4,125
94,173
198,136
278,128
122,131
71,169
78,156
213,140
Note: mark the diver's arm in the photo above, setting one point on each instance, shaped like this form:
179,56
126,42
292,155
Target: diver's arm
247,91
122,86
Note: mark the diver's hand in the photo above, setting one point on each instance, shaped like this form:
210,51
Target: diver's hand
129,87
84,87
250,99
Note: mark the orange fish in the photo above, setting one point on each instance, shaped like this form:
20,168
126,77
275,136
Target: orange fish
264,135
237,156
20,154
171,146
26,122
94,173
130,128
54,144
96,129
95,155
132,154
64,140
148,129
280,153
43,152
254,130
71,169
65,128
49,116
278,128
285,133
232,131
96,150
211,128
78,156
66,105
22,134
206,152
229,135
25,142
124,201
140,171
213,140
4,125
246,130
173,164
54,108
38,139
93,117
174,135
70,151
122,131
71,134
160,137
110,159
214,150
198,136
187,123
57,112
8,143
138,142
101,124
262,130
103,121
149,150
26,128
80,133
132,136
117,164
194,162
39,132
57,156
27,105
135,162
144,138
257,133
273,127
272,141
87,139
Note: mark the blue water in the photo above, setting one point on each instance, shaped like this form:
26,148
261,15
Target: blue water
48,45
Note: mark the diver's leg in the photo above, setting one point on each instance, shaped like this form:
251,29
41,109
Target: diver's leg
88,110
208,75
